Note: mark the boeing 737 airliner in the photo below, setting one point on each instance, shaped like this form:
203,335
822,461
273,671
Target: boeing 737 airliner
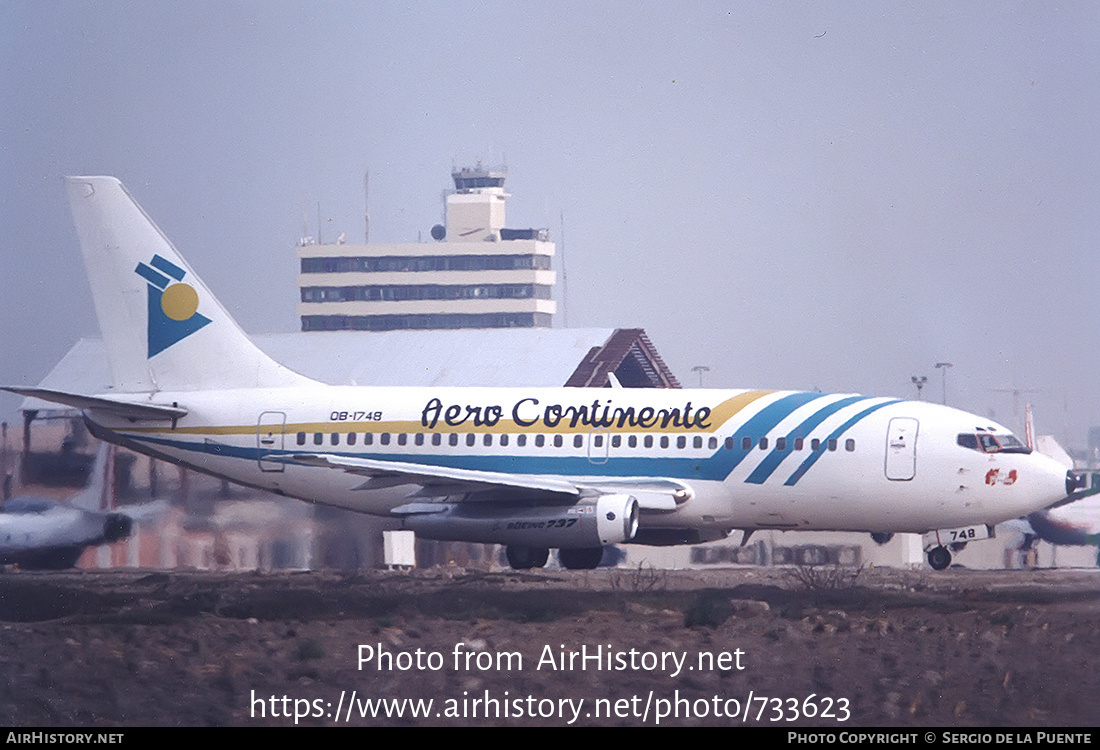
533,469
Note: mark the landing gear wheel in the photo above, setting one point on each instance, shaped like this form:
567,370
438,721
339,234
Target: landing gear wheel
939,558
525,558
584,558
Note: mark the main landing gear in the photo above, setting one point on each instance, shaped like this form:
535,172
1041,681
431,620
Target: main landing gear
939,558
525,558
575,558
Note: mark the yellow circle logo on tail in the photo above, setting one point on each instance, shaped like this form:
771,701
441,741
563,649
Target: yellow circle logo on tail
179,301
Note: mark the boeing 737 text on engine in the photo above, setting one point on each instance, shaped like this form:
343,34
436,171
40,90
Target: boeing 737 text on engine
532,469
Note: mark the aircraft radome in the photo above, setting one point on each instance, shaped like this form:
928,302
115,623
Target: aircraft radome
530,468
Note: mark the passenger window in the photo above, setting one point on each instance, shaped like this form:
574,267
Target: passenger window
301,438
729,443
712,443
419,438
798,444
849,445
521,440
436,438
681,442
488,440
402,439
540,440
318,438
698,442
616,441
384,438
597,440
832,444
746,443
578,441
453,438
815,444
471,438
763,444
648,441
334,438
664,441
352,437
781,444
558,441
368,438
504,439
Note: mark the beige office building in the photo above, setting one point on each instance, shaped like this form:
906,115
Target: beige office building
474,273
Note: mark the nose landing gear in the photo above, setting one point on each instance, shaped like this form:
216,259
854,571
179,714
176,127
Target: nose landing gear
939,558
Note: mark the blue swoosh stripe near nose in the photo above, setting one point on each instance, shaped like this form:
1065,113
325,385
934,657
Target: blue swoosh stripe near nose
761,423
771,462
812,458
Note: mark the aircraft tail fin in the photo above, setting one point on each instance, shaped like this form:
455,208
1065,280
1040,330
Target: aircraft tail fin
162,327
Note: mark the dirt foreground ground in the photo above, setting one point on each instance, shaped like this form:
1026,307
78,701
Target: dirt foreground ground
609,647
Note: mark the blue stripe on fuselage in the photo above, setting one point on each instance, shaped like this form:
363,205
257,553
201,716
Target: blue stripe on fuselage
715,467
812,458
771,462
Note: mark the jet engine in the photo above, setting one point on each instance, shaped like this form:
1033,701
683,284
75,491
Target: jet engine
609,519
117,526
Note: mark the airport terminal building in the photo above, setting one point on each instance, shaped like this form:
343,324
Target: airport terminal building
475,273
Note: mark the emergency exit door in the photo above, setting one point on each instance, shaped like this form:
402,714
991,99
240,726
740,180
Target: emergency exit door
270,429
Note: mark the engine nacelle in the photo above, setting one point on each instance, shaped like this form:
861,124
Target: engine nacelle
117,526
609,519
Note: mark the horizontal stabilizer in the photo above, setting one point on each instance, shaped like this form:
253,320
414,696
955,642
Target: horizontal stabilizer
125,409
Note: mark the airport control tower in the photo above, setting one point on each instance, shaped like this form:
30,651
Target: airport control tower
475,273
475,210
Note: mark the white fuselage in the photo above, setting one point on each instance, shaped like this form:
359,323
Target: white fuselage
752,459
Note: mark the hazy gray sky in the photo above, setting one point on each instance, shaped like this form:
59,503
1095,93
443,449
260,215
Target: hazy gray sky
831,195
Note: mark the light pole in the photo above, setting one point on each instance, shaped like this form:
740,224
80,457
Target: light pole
700,369
919,382
942,366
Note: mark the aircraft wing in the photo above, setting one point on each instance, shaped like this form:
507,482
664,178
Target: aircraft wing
125,409
443,481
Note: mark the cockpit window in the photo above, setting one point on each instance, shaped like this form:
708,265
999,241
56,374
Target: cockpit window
968,441
988,443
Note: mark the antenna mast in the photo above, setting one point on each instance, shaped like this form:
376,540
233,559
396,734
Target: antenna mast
564,288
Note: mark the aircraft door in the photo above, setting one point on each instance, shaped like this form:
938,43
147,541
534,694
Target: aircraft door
598,440
901,449
270,434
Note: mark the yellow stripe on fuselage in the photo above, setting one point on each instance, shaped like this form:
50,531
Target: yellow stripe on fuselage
719,415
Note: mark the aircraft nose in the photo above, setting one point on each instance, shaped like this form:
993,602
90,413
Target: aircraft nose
1054,484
